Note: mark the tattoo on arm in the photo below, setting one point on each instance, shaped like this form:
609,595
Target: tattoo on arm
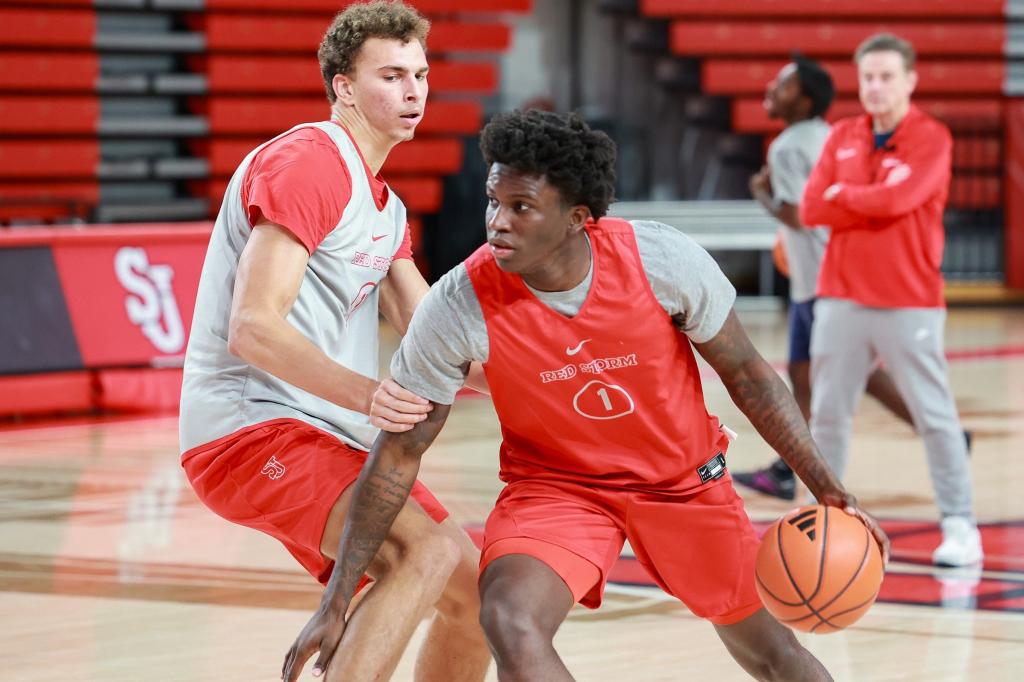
380,493
767,402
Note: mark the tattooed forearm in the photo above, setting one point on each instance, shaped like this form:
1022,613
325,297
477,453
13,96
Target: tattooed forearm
379,494
766,401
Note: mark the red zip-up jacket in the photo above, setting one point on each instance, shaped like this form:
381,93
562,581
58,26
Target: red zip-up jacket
887,234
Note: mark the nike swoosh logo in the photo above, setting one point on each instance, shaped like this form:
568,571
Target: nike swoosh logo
574,351
378,237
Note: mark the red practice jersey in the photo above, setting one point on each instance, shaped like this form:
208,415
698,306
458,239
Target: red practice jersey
609,397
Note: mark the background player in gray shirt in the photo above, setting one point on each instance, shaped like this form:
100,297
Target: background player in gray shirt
800,95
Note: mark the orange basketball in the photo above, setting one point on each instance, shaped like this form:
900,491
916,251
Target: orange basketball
779,255
818,569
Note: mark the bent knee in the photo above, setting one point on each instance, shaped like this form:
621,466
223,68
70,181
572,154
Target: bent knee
504,622
431,554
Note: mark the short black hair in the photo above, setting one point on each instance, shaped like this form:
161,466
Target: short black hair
578,161
815,83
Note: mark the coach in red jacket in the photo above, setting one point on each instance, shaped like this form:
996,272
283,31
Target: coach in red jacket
881,184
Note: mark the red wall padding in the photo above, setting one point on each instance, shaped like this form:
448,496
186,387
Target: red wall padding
46,393
138,390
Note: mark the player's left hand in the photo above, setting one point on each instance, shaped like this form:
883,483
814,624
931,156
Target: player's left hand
761,181
396,409
322,633
848,503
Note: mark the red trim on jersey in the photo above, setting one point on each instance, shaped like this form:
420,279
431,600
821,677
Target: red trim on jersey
405,248
378,187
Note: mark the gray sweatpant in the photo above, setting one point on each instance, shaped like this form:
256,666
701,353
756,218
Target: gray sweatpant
846,339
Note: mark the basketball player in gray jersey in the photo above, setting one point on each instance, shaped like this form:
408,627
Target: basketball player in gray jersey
277,406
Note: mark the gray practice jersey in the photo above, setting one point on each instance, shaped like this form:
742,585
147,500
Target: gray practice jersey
336,308
448,330
791,157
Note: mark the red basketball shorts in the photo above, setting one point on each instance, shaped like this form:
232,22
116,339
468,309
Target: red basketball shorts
283,477
699,547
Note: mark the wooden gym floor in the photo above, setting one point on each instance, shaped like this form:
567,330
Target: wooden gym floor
111,570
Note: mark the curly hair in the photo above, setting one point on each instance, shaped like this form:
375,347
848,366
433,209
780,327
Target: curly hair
578,161
388,19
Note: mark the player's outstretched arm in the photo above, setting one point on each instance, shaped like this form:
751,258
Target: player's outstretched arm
762,396
380,492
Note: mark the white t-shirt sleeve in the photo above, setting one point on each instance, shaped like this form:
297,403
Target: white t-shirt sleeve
446,333
685,279
789,170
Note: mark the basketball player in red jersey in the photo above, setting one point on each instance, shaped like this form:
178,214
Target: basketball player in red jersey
280,370
584,325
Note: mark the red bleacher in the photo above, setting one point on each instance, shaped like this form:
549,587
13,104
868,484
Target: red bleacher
438,155
246,70
50,159
49,115
420,194
300,75
825,8
744,77
233,115
302,34
49,72
24,27
962,67
748,115
426,6
707,38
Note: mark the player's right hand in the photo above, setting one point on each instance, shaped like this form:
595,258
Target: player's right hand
396,409
322,633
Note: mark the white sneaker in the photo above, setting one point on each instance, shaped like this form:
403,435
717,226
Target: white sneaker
961,543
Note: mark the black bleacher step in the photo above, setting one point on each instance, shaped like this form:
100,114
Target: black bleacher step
181,169
155,84
166,5
1014,84
149,126
123,169
130,84
647,36
630,7
674,73
180,84
177,42
171,168
175,209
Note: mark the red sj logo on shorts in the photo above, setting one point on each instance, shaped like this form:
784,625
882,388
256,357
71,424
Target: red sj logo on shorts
273,469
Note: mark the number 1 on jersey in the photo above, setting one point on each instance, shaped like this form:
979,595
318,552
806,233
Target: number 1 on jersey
595,395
